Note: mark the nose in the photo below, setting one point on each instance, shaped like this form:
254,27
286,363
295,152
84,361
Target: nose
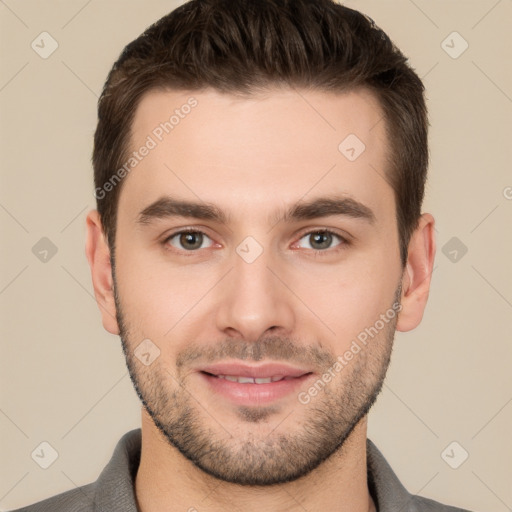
255,300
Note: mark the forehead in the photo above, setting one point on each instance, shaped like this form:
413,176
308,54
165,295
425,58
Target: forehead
253,153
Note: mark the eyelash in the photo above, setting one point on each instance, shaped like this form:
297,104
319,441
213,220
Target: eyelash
317,252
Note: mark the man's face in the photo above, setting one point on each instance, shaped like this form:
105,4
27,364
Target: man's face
256,294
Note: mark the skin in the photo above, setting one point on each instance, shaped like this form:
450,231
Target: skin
252,157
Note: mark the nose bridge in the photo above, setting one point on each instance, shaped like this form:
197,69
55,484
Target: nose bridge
254,300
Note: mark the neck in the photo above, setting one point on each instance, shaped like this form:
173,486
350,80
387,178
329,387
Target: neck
166,480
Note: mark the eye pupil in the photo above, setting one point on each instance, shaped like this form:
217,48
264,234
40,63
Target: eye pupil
188,238
317,238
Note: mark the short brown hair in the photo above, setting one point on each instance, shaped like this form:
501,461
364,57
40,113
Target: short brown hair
246,46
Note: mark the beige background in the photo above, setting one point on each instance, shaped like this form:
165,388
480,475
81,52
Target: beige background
63,378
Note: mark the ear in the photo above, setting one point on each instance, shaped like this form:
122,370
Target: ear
98,256
417,274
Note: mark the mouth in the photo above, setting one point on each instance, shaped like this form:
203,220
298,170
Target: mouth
252,380
253,385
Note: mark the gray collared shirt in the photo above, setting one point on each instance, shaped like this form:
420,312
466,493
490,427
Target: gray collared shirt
114,489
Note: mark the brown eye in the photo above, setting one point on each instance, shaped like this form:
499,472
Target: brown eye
187,240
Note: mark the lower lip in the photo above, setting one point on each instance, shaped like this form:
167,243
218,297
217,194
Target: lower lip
254,394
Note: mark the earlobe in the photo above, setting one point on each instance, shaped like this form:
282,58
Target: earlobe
98,256
417,274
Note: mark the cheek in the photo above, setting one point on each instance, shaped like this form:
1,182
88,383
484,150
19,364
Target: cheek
154,296
349,297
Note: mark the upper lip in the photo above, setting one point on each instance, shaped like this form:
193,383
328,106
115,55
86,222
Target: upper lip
261,371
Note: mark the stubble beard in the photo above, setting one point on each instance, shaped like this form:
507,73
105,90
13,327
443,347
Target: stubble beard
283,454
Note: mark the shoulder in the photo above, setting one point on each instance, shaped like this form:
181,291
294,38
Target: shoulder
420,504
80,499
388,492
112,491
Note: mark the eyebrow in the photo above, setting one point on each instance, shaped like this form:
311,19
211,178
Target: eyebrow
167,207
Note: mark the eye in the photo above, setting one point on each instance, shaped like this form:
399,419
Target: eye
321,240
187,240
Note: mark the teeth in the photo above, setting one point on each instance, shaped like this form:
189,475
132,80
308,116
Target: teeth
245,380
251,380
267,380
